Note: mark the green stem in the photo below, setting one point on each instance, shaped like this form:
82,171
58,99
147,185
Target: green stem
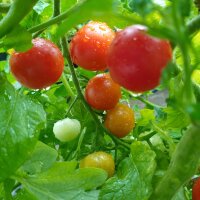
188,89
71,106
18,10
148,103
57,19
67,86
4,7
79,144
148,136
164,135
77,86
183,166
35,35
56,11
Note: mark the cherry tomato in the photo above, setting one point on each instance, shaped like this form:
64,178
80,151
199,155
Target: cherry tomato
99,160
136,59
39,67
89,46
66,129
102,93
196,190
120,120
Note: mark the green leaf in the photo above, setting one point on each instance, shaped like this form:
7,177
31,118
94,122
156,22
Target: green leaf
24,195
193,110
175,119
67,4
41,159
134,176
19,39
20,121
62,181
143,7
146,116
180,195
2,192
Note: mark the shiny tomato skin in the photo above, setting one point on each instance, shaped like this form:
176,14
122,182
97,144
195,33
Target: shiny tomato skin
136,59
101,160
89,46
102,93
39,67
120,120
196,190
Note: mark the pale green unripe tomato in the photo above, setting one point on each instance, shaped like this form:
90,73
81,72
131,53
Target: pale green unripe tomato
66,129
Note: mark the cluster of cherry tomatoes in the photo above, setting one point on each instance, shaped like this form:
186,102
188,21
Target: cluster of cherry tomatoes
134,59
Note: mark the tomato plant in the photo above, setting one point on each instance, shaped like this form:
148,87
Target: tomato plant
89,46
139,118
39,67
102,93
120,120
136,59
99,159
66,129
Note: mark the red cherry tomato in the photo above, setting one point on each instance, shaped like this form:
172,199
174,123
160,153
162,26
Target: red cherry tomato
196,190
102,93
89,46
39,67
120,120
136,59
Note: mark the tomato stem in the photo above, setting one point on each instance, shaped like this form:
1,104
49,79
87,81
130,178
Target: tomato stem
71,106
183,166
67,86
58,18
56,8
77,86
56,11
164,135
17,11
148,103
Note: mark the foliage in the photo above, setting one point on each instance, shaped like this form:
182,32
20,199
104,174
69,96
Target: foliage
160,152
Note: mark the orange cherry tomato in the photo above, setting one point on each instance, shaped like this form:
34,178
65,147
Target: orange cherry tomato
120,120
